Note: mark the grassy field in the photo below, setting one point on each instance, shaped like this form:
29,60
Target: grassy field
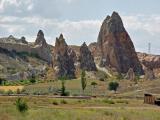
123,105
41,108
126,88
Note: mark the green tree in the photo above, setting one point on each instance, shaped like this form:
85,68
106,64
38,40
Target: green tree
63,88
21,105
83,80
113,86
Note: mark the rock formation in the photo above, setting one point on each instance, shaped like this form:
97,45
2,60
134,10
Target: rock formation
40,40
40,48
86,59
116,46
23,40
130,75
149,61
149,74
63,59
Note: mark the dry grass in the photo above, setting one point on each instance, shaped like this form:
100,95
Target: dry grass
13,88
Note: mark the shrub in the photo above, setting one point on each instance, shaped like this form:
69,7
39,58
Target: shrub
21,105
94,84
63,101
109,101
113,86
2,81
9,92
32,80
18,91
54,102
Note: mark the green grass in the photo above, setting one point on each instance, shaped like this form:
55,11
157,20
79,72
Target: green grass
72,86
43,109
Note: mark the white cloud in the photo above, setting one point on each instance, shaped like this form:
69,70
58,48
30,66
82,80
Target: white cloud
150,24
30,7
28,4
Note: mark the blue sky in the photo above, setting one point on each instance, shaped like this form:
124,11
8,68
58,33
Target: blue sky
80,20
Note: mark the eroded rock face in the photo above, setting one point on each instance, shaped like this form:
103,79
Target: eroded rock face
130,75
40,40
41,47
149,61
63,59
149,74
116,46
86,59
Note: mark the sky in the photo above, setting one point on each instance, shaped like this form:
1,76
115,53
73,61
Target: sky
80,20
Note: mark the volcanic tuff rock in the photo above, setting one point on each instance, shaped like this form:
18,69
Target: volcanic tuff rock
40,40
40,48
63,59
116,46
86,59
149,61
130,75
149,74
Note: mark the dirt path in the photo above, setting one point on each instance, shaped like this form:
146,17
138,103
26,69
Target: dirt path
105,107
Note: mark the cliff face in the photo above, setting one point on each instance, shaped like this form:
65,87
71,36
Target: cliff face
63,59
116,46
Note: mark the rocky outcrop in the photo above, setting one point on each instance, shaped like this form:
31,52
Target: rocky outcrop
24,75
40,40
116,46
149,61
63,59
40,48
130,75
86,59
149,74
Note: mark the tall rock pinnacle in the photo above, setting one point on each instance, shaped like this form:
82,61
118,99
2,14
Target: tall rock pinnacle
86,59
40,40
116,46
63,59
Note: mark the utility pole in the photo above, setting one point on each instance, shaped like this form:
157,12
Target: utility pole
149,48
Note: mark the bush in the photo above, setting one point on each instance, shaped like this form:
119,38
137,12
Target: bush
55,102
63,101
9,92
21,105
32,80
113,86
94,84
18,91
